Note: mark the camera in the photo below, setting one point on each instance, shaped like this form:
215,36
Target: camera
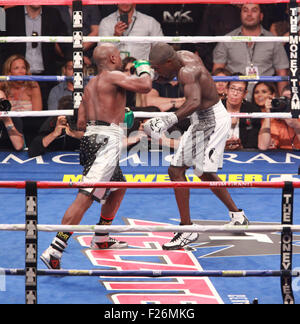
5,105
281,104
72,120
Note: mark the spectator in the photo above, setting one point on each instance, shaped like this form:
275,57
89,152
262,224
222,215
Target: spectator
58,133
217,20
11,136
23,95
138,25
91,21
278,133
179,20
253,59
128,68
263,93
63,89
36,20
244,131
222,85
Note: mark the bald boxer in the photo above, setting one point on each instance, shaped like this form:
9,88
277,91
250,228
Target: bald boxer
202,145
100,114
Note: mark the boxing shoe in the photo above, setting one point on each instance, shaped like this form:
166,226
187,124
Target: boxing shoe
52,256
106,242
180,240
238,218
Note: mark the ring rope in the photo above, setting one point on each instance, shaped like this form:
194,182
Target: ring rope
137,114
237,229
98,2
153,273
54,78
132,185
146,39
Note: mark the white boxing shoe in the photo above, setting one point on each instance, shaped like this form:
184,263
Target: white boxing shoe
106,242
238,218
180,240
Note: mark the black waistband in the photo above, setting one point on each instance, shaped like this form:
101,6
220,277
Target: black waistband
97,123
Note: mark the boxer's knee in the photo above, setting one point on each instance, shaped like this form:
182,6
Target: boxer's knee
177,173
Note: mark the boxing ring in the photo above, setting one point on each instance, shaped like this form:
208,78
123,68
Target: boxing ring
32,188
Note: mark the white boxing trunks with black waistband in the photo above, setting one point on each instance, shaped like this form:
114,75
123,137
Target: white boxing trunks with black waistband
100,152
202,145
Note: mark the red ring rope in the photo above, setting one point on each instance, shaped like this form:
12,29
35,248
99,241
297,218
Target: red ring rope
98,2
191,185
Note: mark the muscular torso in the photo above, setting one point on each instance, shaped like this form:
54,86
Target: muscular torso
103,100
194,67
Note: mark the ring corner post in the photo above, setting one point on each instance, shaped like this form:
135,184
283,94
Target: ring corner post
31,242
294,59
78,55
286,264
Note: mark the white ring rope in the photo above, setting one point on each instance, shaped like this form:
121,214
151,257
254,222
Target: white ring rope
144,39
137,114
46,113
164,229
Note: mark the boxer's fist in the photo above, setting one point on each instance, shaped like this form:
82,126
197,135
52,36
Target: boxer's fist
155,127
143,67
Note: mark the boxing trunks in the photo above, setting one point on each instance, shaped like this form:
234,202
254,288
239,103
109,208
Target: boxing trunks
100,151
202,145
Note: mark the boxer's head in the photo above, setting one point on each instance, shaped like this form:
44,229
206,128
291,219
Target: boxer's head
107,56
164,61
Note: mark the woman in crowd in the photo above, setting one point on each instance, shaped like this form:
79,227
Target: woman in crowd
222,85
23,95
275,133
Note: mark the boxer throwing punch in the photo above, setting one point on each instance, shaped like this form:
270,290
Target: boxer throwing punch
100,114
202,145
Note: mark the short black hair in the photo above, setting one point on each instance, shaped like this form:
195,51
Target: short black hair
161,52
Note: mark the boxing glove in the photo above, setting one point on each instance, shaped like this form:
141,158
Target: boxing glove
155,127
144,67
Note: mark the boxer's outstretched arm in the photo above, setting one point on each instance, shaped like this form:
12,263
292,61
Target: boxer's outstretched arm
142,84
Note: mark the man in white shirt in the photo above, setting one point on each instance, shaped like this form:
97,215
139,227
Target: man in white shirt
137,24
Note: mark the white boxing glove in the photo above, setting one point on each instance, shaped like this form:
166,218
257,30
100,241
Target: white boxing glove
144,67
155,127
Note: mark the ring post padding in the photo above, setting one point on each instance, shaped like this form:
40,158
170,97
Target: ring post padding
31,242
287,243
294,69
77,53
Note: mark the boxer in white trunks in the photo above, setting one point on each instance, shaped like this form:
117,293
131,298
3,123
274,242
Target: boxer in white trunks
100,115
202,145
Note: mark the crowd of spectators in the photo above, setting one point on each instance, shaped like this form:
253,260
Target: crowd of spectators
40,135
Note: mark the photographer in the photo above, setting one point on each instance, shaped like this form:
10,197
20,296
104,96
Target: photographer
279,133
11,136
57,133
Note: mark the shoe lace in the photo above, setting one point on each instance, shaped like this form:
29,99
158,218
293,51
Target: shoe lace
176,237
